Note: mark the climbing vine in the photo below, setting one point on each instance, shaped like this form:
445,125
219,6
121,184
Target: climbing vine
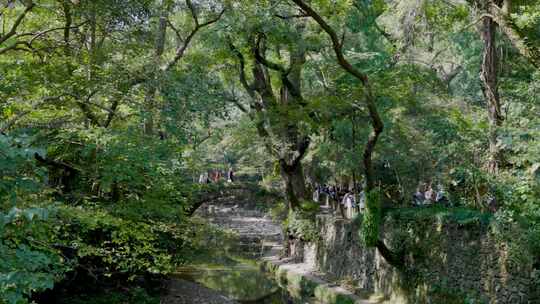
369,231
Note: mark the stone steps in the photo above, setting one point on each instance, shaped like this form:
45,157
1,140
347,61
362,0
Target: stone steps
257,233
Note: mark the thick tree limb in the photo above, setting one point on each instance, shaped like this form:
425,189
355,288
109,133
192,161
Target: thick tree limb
260,86
16,47
284,72
393,259
250,88
35,35
232,98
301,148
67,15
112,113
263,60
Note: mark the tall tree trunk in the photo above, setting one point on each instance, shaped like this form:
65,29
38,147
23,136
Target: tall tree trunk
92,47
295,186
152,90
67,30
488,76
282,135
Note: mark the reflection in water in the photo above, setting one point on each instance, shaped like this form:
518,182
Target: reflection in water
223,267
242,282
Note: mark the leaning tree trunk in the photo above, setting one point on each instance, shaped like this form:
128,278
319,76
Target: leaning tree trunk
373,215
488,76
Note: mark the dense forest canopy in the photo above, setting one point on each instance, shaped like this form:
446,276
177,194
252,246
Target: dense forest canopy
111,109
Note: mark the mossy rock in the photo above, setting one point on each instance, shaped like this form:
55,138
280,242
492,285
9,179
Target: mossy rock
304,285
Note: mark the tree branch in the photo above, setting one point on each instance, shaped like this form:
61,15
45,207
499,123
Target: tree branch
17,22
182,49
284,72
112,113
15,47
237,103
83,105
193,12
263,60
36,35
54,163
302,147
175,30
250,88
288,17
36,105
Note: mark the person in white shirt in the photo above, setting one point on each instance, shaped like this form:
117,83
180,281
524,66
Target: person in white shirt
362,201
349,204
316,194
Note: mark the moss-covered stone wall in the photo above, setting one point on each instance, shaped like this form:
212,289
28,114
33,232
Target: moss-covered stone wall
449,260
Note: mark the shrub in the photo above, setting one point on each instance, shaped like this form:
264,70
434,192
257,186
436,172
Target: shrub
29,263
301,224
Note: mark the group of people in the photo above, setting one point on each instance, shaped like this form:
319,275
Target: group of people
215,176
352,200
425,195
340,199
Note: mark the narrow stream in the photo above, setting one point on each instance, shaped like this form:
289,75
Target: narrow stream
230,267
242,281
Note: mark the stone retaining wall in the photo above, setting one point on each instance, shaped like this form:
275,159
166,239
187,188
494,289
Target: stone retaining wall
447,262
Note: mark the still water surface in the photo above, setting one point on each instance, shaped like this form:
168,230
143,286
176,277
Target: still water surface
242,281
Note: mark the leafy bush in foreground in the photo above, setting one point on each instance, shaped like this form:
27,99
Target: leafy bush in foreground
40,247
29,262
